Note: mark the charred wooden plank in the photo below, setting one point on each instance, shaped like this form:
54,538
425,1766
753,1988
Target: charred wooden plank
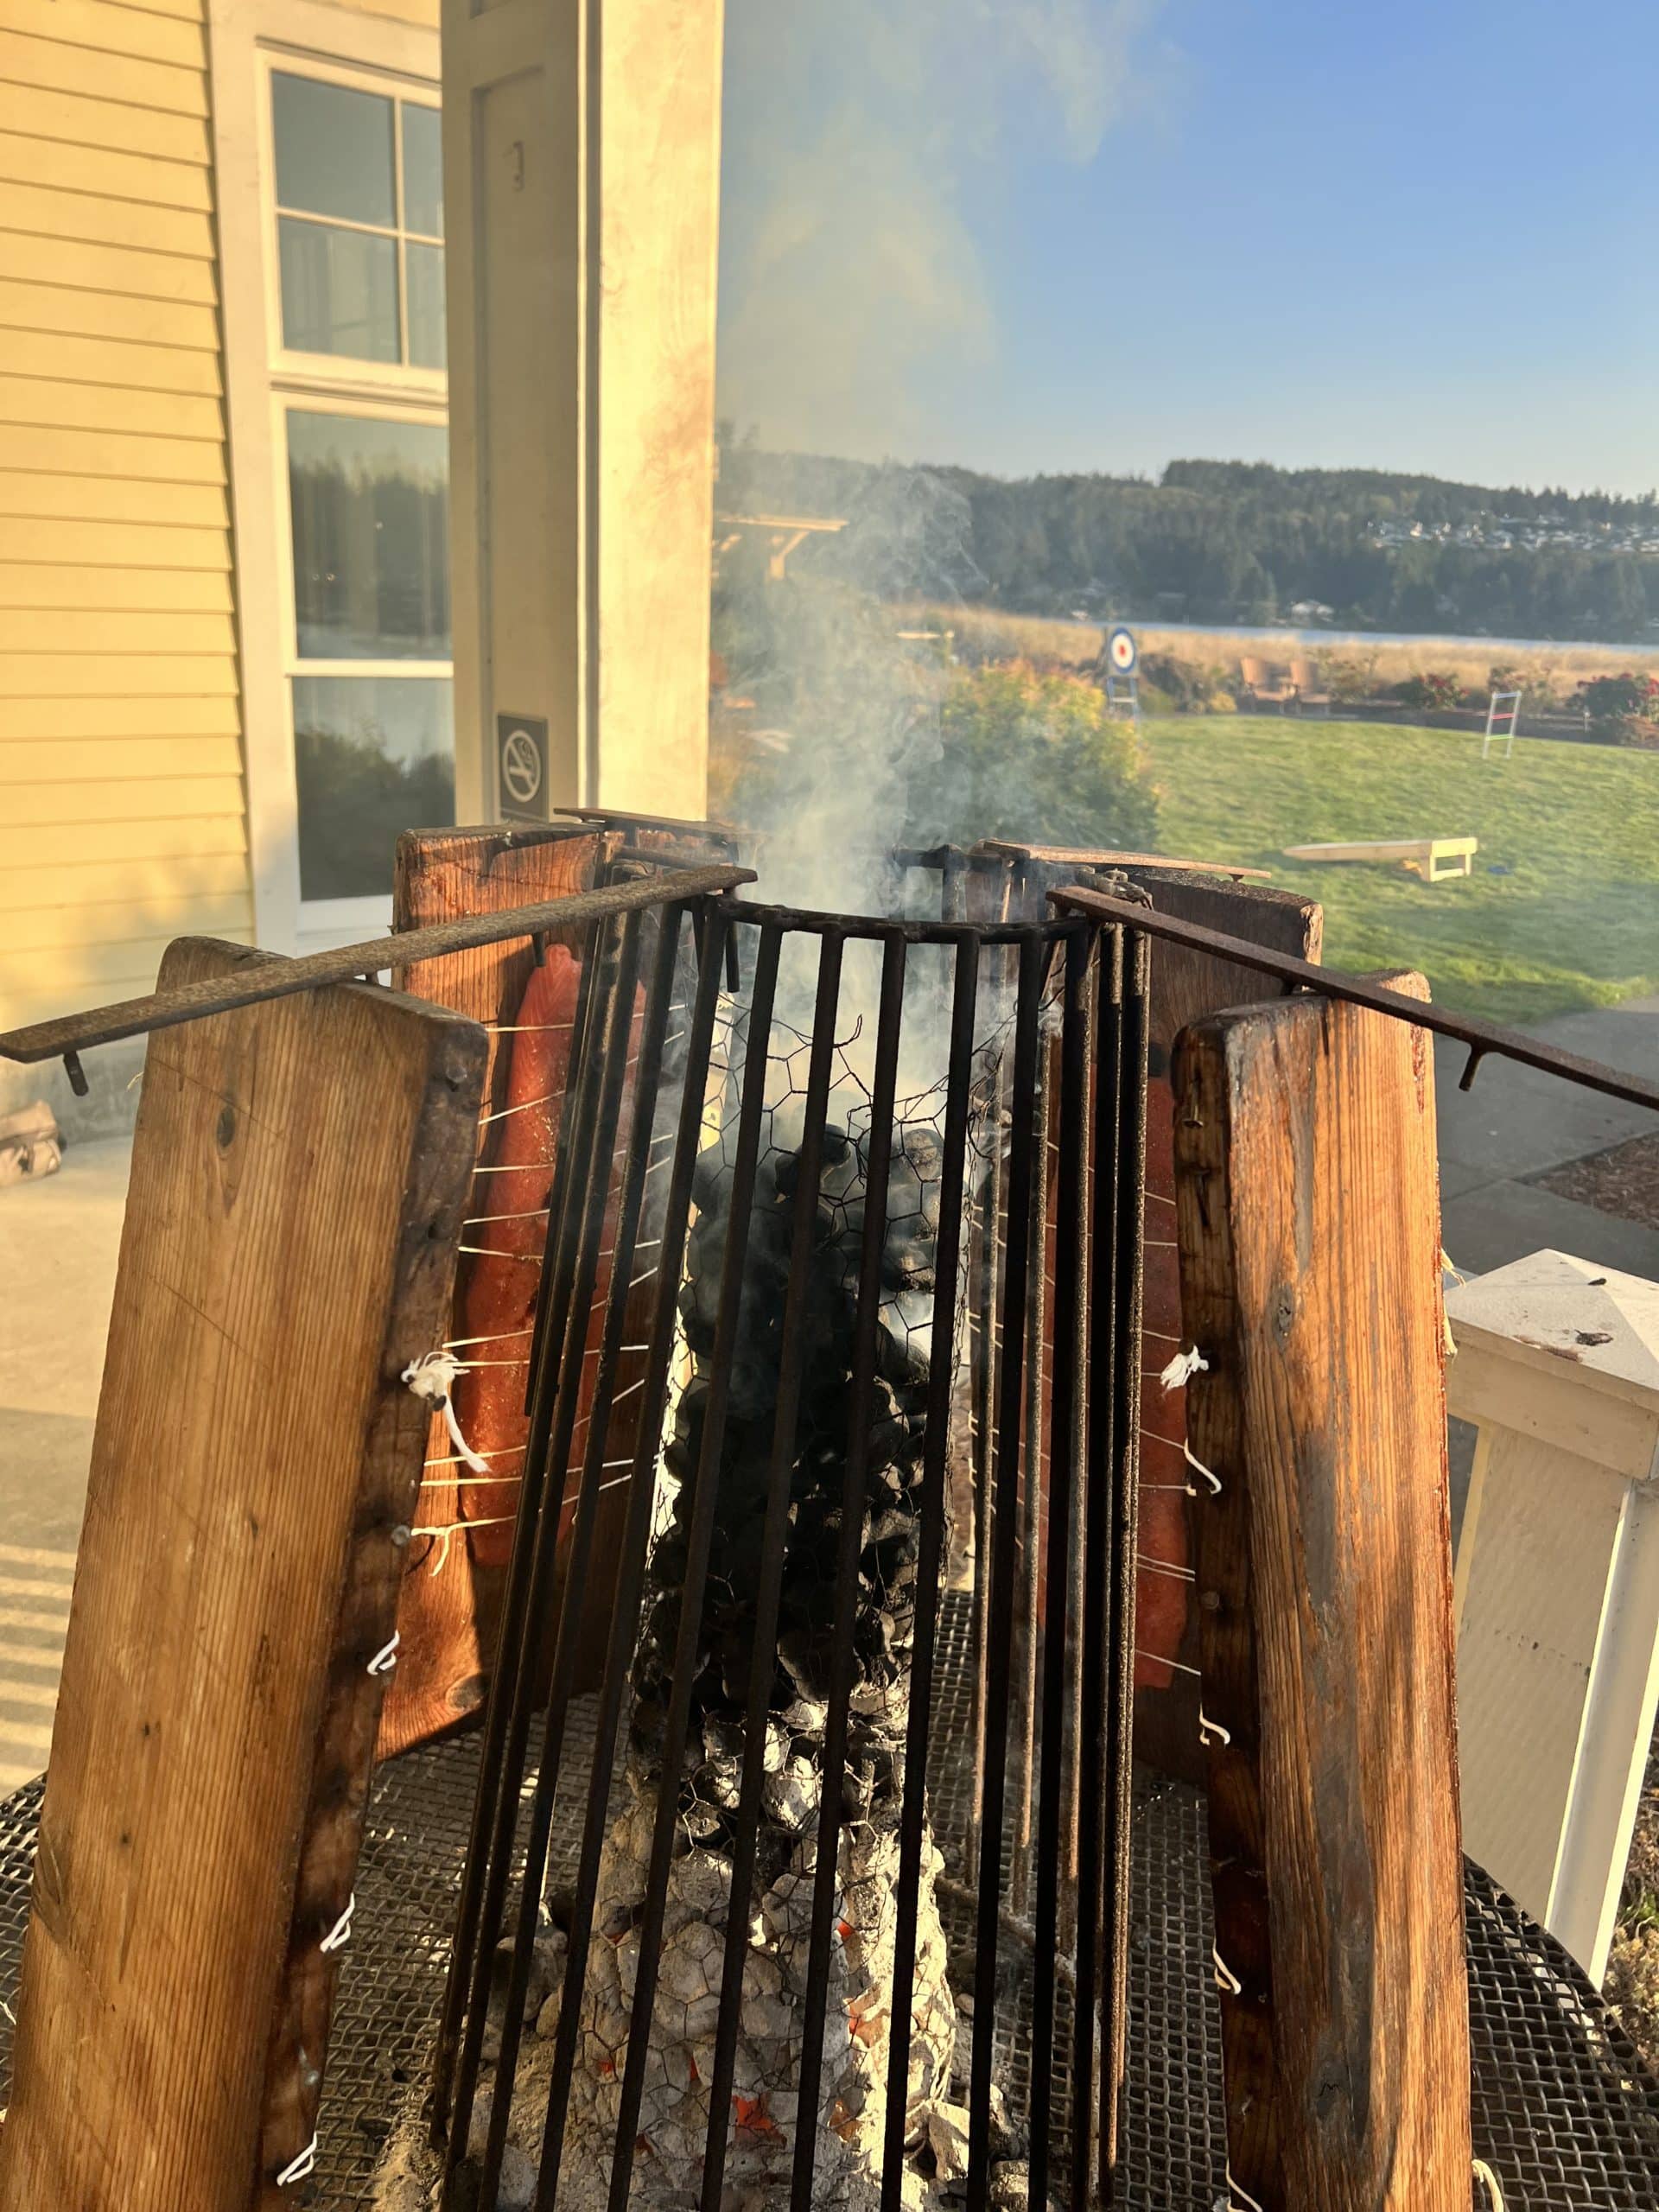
1309,1233
299,1175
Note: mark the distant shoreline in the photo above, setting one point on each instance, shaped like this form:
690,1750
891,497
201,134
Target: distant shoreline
1427,640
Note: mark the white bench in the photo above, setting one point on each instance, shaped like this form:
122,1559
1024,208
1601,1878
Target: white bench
1433,858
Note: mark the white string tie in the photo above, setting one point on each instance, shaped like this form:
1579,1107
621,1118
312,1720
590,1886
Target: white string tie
1495,2195
1211,1730
386,1658
1225,1978
297,2169
340,1934
432,1378
446,1535
1198,1468
1247,2203
1183,1368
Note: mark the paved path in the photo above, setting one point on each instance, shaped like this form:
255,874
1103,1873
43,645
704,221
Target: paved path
1515,1123
58,1242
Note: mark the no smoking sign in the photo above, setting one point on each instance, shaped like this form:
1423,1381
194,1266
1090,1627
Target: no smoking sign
521,765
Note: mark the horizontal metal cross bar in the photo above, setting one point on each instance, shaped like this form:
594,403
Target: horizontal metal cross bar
1481,1037
274,977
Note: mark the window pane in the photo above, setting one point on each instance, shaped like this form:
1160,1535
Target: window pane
334,150
374,755
340,291
371,507
424,276
423,172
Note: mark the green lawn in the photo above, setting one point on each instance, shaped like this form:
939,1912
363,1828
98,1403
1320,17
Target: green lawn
1572,921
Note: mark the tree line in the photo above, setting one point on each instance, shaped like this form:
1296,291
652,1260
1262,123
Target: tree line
1222,542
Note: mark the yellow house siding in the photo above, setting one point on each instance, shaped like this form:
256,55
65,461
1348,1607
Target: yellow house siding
124,823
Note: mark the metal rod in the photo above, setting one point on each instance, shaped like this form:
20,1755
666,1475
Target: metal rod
1031,1497
929,1565
1097,1607
267,975
700,1542
570,1175
647,1074
1063,1472
1483,1037
811,921
551,1430
624,1617
854,1507
773,1545
1126,1516
1004,1521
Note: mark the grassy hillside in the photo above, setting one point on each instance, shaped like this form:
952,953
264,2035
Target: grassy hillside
1573,920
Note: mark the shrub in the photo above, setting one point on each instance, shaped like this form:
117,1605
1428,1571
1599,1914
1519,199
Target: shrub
1429,693
1036,758
1610,699
1349,678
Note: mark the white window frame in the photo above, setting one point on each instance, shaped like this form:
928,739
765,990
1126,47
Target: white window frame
250,40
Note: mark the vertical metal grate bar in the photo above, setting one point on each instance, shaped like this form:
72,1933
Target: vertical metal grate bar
647,1074
1003,1515
548,1447
1126,1520
774,1541
1095,1985
1062,1473
755,1066
569,1177
877,1170
930,1563
636,1537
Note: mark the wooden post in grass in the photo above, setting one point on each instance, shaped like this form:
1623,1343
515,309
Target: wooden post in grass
1309,1234
298,1174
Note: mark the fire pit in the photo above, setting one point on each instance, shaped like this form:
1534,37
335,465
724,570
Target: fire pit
881,1183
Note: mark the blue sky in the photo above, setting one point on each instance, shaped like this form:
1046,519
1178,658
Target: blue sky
1059,234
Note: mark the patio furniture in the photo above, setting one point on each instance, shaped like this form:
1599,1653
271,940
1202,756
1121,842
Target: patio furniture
1305,680
1266,683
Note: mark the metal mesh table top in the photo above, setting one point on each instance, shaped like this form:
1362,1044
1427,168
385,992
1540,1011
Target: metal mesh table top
1563,2112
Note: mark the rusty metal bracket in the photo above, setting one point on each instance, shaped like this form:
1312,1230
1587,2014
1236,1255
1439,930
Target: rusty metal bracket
1481,1037
272,976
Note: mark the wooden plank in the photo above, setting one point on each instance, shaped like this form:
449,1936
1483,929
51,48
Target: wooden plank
1185,986
1309,1234
115,675
122,921
123,841
106,965
88,590
55,405
96,169
70,119
24,888
448,1620
49,211
299,1177
27,259
96,633
114,725
35,305
111,364
53,804
47,64
105,29
44,545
